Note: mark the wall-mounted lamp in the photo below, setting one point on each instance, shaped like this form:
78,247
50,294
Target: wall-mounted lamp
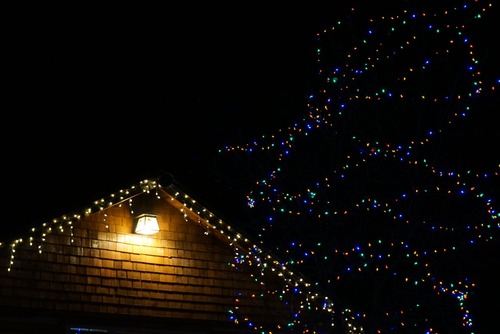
147,224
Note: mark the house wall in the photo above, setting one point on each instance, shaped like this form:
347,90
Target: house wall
97,266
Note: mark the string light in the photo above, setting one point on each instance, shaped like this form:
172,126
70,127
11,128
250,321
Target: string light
246,253
369,195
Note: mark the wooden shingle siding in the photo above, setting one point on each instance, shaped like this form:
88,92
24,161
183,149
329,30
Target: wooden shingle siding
101,266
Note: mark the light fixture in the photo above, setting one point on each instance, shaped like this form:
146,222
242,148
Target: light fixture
147,224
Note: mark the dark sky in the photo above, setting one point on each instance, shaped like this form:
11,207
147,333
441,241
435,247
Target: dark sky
101,96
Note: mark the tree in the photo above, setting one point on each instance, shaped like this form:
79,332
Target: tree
384,193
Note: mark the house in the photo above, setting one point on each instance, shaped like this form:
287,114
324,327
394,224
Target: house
90,271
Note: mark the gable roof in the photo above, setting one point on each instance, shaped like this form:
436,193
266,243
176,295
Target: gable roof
198,268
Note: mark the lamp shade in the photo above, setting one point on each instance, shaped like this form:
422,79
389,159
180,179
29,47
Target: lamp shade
147,224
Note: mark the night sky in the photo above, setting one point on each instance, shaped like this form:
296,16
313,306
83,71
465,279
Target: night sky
101,97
